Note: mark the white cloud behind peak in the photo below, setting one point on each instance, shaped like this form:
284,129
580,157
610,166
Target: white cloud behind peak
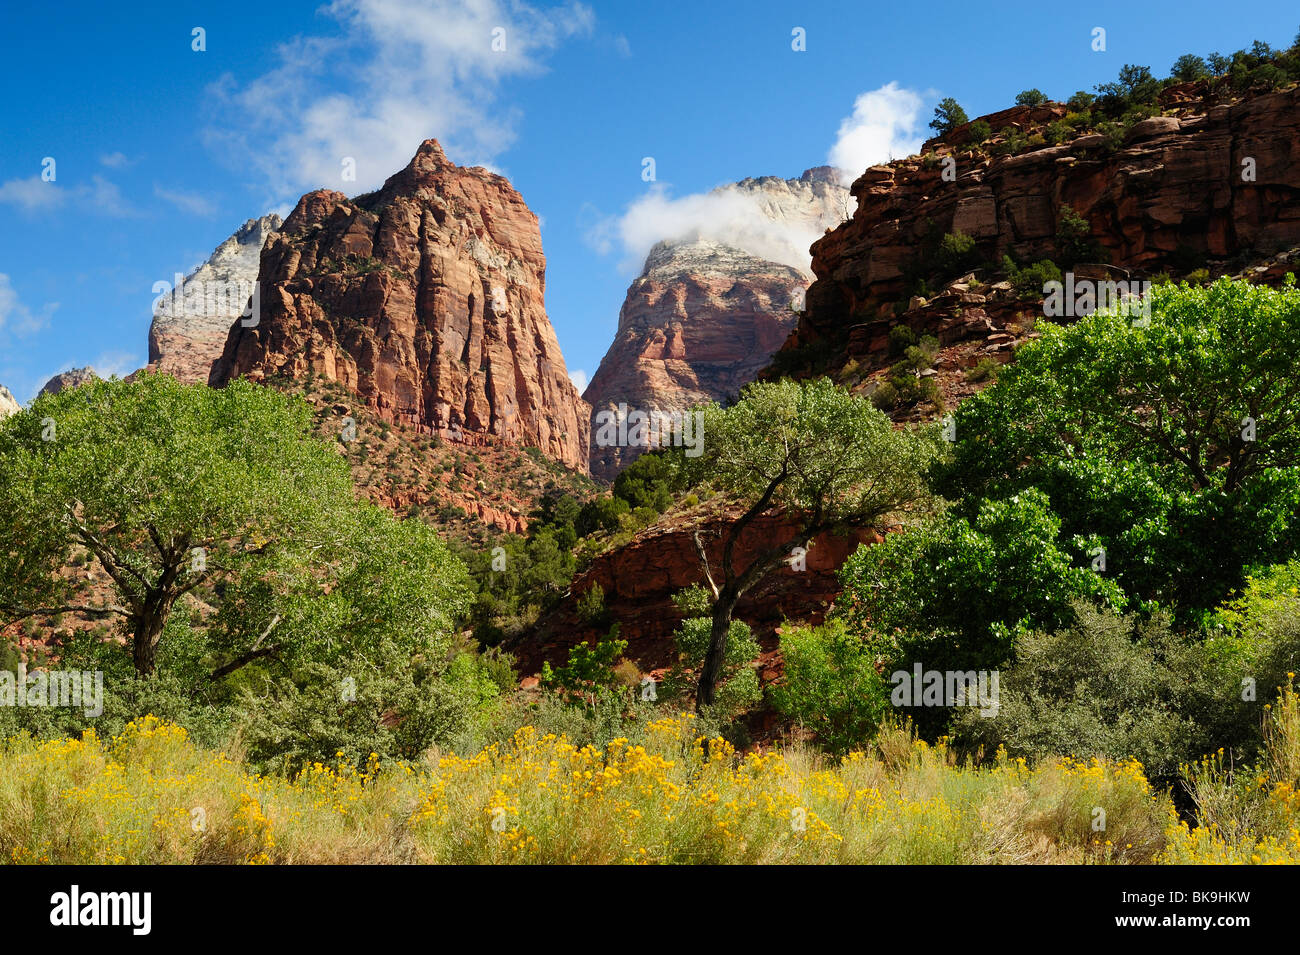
400,72
885,124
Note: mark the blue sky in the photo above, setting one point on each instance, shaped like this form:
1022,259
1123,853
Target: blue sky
161,151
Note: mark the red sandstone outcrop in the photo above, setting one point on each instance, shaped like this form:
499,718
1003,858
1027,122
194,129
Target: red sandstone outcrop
72,378
1173,192
708,311
424,298
640,578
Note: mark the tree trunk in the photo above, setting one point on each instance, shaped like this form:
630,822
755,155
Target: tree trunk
147,633
713,660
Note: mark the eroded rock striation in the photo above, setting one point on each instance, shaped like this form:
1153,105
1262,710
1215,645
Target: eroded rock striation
425,298
1209,183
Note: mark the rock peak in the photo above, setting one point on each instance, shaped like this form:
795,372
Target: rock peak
425,299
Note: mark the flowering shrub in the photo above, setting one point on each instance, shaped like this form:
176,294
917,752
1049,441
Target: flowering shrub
149,795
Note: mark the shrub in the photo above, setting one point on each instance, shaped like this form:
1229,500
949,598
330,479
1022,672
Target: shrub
978,132
830,685
1106,686
956,254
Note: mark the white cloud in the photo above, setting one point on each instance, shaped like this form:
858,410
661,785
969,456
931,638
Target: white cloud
884,125
34,194
579,379
114,160
17,317
401,71
186,202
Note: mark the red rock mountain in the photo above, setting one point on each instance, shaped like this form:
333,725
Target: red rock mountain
73,378
1210,183
425,299
706,313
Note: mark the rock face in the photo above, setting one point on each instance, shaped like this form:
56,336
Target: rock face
1173,192
705,315
8,405
72,378
424,298
640,578
191,323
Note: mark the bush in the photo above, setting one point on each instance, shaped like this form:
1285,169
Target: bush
978,132
1106,686
1032,97
1075,241
830,685
954,592
1080,102
956,254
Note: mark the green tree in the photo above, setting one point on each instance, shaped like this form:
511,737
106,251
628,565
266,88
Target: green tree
1189,67
1034,97
808,450
1174,439
830,685
955,591
175,488
948,115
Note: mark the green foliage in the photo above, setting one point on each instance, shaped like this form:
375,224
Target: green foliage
738,687
852,464
180,489
986,369
1135,433
591,606
1081,101
954,591
1033,97
1108,686
649,481
948,115
588,678
1189,67
956,254
1058,131
1135,86
831,686
1074,240
978,132
1030,280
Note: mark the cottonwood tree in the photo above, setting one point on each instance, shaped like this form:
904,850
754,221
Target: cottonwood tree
811,452
173,488
1173,438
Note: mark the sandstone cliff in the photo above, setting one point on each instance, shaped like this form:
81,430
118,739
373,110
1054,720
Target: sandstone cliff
425,299
191,322
640,579
1166,195
706,315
